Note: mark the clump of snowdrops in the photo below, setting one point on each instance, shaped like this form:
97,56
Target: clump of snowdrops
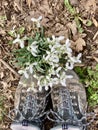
46,58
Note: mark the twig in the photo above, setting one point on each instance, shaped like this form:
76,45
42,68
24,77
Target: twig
96,34
11,69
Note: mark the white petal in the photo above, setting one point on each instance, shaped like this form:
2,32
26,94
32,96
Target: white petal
26,75
40,88
34,43
29,89
55,59
78,58
69,50
69,66
20,71
33,19
60,38
22,44
40,18
33,54
48,39
58,69
38,25
31,69
63,82
35,76
46,88
53,37
35,63
35,49
50,84
68,43
16,41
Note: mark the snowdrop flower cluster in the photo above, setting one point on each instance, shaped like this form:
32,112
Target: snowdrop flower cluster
47,59
57,70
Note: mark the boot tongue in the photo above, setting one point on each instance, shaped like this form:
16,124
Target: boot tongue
66,109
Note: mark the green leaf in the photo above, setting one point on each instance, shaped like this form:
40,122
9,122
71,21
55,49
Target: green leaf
97,67
21,30
11,33
69,7
89,23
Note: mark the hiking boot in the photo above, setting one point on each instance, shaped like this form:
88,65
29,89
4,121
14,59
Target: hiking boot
69,105
29,106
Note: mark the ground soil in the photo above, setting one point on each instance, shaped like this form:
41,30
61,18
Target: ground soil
57,21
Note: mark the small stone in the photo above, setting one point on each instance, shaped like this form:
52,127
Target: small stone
74,2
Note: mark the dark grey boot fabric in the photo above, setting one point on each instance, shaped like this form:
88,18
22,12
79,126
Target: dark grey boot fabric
69,103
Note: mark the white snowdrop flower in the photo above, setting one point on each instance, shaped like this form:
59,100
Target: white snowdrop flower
46,88
26,75
48,77
55,48
68,49
57,71
37,21
13,31
52,58
35,63
60,38
35,76
51,71
40,88
76,59
24,72
51,84
69,65
33,48
20,41
63,78
57,39
21,71
55,80
31,69
40,80
48,39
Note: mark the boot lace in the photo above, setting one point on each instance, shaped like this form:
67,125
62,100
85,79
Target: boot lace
68,107
30,109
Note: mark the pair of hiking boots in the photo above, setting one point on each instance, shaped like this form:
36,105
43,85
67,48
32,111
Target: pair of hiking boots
68,106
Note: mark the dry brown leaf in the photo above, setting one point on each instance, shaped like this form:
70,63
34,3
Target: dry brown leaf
79,44
96,110
5,85
1,75
96,52
29,2
73,27
90,4
95,22
95,36
17,5
96,59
